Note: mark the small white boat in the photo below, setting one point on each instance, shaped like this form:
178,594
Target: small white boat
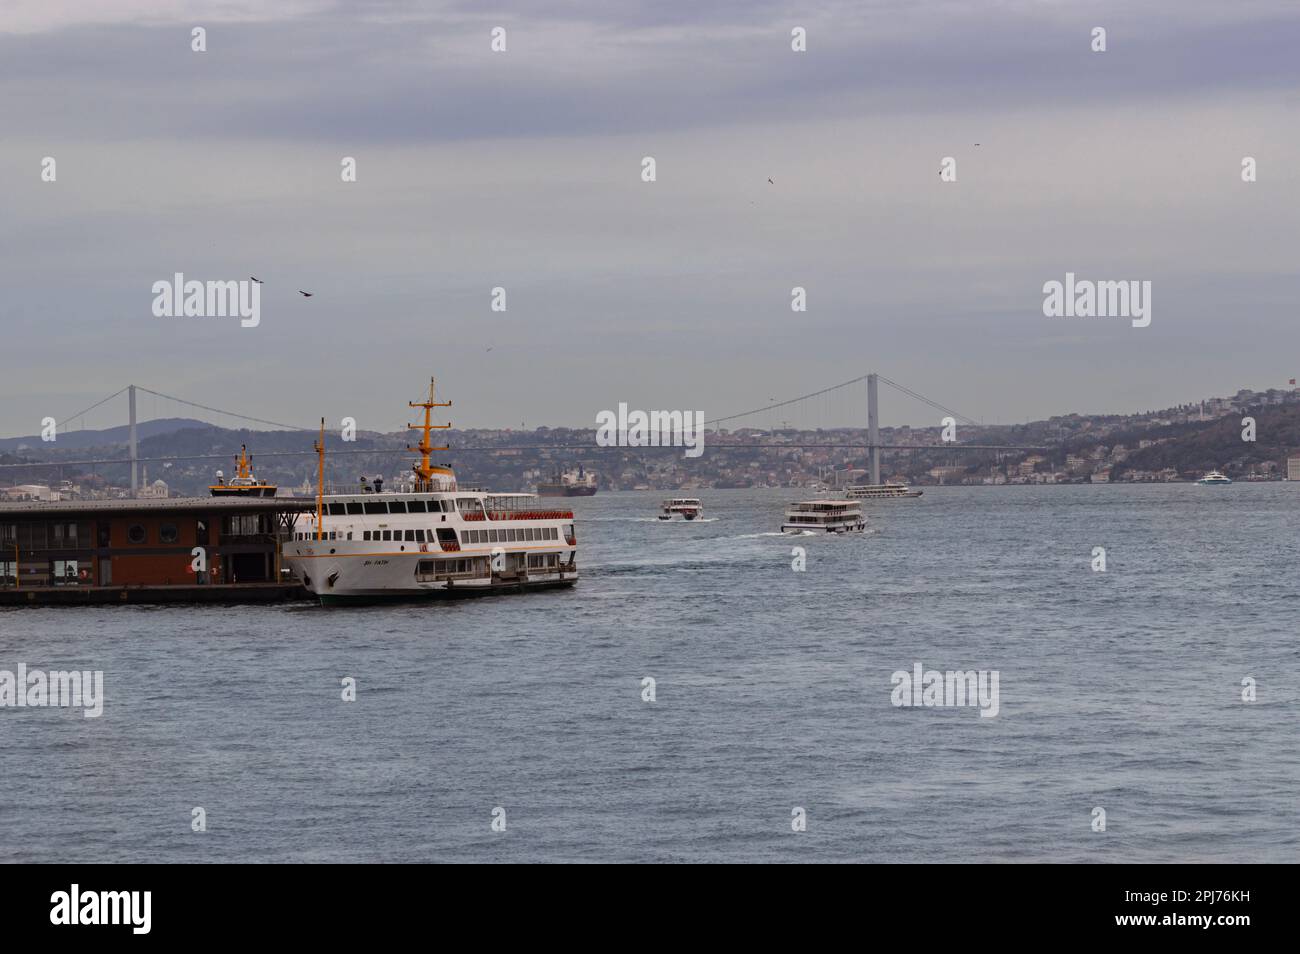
824,516
1214,479
687,508
875,491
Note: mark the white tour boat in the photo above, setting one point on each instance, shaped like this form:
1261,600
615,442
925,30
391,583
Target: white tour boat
1214,479
430,540
877,491
686,507
824,516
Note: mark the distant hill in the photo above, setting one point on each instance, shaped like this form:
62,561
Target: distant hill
1192,449
69,440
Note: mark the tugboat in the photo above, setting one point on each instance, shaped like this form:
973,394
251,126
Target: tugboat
243,484
1214,479
686,507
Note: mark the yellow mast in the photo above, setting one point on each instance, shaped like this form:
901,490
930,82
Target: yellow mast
243,463
319,446
424,470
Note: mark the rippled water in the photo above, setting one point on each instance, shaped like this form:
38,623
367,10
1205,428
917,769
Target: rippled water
1119,689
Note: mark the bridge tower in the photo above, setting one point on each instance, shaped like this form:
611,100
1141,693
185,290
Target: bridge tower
873,429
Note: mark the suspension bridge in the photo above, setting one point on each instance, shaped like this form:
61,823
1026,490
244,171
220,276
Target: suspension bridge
872,445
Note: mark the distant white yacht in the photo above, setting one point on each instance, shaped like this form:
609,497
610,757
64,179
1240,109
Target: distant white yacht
1214,478
824,516
874,491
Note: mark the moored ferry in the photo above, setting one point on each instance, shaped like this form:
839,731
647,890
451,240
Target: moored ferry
877,491
429,540
686,507
824,516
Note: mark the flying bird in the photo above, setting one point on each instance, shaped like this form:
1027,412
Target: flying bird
769,179
255,278
304,294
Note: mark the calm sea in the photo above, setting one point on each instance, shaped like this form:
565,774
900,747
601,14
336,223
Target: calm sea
1119,689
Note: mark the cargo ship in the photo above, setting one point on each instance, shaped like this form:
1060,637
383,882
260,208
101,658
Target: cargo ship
571,483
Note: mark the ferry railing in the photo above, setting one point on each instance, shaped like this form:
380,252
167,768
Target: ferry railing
520,515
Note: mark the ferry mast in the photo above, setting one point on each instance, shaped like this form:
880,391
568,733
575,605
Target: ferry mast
424,470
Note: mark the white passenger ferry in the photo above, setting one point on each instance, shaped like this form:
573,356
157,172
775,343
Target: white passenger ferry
877,491
824,516
430,540
1214,479
687,507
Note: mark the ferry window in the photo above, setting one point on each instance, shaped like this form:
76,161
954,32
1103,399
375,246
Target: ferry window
337,509
415,506
135,533
388,535
373,507
419,535
352,508
349,534
365,535
494,536
167,533
410,535
397,506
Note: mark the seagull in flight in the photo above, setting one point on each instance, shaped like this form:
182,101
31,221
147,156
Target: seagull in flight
769,179
255,278
304,294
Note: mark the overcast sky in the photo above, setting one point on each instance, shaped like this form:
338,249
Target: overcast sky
522,169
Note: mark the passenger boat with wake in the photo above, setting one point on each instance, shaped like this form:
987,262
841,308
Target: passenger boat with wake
688,508
824,516
430,540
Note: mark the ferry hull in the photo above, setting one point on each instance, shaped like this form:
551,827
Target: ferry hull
457,592
801,527
560,490
341,578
